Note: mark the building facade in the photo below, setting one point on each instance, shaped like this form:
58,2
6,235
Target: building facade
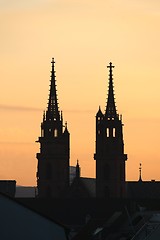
53,159
109,154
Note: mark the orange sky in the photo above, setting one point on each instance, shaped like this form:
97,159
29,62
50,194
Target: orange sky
83,36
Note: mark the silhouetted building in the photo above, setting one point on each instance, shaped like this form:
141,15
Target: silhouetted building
53,159
109,156
8,187
107,207
26,192
74,172
143,189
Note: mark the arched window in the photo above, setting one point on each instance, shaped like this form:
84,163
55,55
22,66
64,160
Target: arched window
106,192
48,171
48,192
42,132
106,170
114,132
122,176
107,132
55,133
122,192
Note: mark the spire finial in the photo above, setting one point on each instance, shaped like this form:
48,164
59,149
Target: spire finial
52,72
110,68
140,172
53,62
111,112
53,111
77,170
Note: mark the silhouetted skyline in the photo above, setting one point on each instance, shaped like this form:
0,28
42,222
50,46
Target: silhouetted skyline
83,37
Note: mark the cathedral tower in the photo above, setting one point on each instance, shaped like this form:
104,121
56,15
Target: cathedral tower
109,156
53,159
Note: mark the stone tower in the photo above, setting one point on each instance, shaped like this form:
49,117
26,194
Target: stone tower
109,154
53,159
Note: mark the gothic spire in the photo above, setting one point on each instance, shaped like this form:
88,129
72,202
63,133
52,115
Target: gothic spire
77,170
99,113
111,107
140,172
52,110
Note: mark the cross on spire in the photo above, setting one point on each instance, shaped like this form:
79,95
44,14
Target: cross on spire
111,107
110,67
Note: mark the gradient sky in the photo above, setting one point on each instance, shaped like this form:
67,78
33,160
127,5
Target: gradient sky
83,37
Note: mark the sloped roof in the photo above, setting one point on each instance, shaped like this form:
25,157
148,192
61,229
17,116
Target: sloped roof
90,185
143,189
134,189
25,191
19,222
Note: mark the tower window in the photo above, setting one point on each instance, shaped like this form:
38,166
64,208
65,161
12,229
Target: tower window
48,192
106,192
48,171
122,176
42,133
107,132
55,133
106,172
114,132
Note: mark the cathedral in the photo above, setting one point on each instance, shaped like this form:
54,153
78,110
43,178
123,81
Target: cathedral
53,159
109,156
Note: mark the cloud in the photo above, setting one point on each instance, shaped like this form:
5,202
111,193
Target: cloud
16,143
23,4
24,108
79,111
18,108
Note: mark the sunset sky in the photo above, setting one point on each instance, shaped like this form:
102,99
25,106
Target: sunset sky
83,36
